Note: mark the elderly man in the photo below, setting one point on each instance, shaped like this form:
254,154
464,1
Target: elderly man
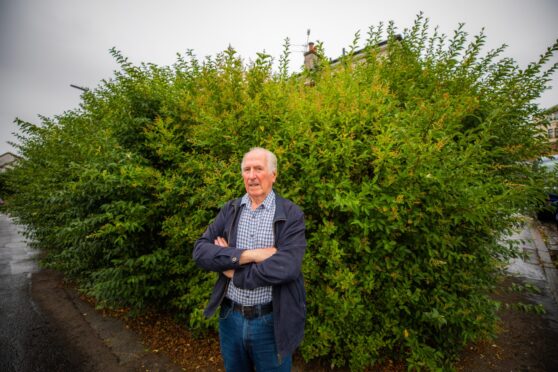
256,243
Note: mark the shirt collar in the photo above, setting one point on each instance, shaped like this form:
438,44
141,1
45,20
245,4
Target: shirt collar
267,203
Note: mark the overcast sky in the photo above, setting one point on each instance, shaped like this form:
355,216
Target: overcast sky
46,45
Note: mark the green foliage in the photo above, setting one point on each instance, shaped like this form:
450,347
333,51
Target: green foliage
409,165
4,190
524,288
527,308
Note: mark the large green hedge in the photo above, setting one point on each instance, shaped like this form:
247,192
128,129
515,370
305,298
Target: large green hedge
409,167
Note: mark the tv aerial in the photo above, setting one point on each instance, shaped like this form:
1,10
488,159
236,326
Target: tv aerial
306,45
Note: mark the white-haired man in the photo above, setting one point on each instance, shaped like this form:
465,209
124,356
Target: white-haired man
257,243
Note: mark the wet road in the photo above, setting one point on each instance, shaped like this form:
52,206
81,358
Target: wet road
28,339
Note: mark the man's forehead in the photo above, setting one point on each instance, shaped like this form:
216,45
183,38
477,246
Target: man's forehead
255,163
255,156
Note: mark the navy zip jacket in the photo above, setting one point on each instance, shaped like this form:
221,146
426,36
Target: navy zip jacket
282,271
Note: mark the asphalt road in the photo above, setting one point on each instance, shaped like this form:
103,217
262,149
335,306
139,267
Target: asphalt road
45,326
28,339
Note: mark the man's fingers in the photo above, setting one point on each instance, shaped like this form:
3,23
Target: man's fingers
264,253
221,242
229,273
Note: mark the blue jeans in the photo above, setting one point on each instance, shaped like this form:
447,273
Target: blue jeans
249,344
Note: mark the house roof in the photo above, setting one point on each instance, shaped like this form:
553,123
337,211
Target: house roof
8,158
360,51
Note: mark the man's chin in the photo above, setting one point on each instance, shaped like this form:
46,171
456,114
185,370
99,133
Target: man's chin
255,193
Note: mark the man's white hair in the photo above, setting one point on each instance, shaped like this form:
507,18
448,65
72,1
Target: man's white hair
271,159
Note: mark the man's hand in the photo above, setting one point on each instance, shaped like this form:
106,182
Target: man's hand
221,242
249,255
256,255
229,273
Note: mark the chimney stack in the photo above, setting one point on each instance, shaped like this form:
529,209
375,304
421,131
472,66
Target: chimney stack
310,57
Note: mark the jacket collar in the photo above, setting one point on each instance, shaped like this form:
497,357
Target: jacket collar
280,214
267,203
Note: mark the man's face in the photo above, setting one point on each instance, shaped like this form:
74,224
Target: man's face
258,179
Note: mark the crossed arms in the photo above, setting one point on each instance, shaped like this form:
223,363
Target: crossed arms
254,268
247,256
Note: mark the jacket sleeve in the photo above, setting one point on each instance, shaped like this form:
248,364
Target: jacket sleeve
285,265
210,256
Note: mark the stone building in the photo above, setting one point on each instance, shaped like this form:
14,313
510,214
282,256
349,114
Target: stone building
552,128
7,161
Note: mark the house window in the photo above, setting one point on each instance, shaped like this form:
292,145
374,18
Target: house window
550,132
555,132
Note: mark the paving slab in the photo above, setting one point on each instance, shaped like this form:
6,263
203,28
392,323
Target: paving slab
536,264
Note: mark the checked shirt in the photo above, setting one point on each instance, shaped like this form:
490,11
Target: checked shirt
255,230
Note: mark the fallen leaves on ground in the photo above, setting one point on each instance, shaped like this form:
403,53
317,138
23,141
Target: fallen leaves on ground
160,333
